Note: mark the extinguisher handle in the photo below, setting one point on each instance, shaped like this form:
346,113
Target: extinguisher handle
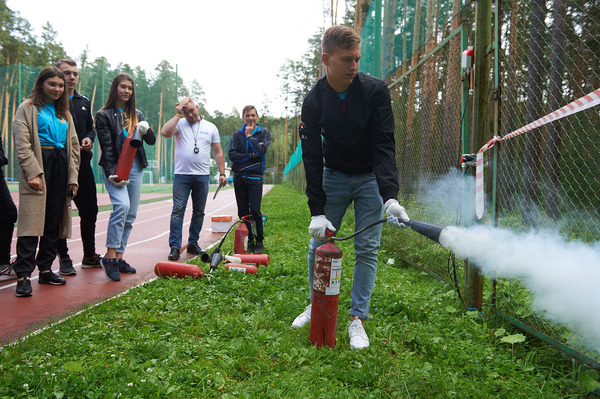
329,233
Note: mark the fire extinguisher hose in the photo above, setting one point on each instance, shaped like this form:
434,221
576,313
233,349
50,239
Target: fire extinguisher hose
359,231
215,257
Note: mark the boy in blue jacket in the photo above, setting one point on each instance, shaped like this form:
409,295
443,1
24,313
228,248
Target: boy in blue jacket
247,153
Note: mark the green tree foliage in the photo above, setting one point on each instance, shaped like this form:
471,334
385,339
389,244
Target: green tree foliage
50,49
299,76
15,37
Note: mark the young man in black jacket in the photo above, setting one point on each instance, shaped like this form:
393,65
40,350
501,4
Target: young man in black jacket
347,120
247,151
86,200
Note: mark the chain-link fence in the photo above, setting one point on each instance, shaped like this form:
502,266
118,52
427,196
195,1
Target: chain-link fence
416,46
548,178
539,56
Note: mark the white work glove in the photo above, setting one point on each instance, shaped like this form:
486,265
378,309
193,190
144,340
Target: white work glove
318,225
396,214
118,183
143,127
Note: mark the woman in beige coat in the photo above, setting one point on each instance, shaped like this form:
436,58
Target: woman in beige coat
47,150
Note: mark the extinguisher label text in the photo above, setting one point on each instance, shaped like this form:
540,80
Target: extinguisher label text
335,278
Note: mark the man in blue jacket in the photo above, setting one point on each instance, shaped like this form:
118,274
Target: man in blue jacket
247,153
348,149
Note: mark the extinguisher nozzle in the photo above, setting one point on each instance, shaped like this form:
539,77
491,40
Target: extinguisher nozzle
205,257
216,259
431,231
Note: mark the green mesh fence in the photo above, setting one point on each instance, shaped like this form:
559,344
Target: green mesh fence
416,46
396,30
547,55
427,146
294,160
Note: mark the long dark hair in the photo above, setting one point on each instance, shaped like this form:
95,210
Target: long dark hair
111,101
38,98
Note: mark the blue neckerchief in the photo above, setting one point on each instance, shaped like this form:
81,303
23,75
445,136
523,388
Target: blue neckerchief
52,131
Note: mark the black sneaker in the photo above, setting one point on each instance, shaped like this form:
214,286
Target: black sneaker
24,288
91,262
125,267
51,278
66,267
194,249
259,248
111,268
174,254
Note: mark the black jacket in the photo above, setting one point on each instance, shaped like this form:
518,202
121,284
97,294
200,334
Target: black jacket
3,160
81,109
110,136
247,156
357,136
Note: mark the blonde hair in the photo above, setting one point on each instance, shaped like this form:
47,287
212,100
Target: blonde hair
185,100
339,36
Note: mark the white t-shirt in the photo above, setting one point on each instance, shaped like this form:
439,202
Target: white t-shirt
200,135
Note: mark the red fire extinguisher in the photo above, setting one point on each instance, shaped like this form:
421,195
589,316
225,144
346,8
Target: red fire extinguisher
325,294
240,242
130,145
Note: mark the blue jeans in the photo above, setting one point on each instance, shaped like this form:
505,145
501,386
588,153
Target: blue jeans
341,191
125,201
182,185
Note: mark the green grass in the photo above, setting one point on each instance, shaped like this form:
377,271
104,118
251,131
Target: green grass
230,337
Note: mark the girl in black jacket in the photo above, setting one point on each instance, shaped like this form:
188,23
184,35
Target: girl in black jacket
117,119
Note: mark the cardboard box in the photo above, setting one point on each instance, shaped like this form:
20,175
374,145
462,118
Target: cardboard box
220,224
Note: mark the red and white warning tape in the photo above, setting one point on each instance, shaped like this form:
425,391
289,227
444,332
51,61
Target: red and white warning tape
585,102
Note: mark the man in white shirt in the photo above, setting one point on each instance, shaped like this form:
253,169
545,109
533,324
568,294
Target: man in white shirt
194,138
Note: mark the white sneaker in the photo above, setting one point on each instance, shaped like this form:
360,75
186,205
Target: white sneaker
358,336
303,319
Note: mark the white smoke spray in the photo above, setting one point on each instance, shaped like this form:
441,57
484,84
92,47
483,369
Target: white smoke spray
563,276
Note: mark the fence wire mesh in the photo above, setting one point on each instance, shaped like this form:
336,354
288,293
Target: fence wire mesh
427,110
547,179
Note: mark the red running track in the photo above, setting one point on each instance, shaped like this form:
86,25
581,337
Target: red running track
148,245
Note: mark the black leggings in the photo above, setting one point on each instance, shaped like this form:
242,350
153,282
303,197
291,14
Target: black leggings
56,175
